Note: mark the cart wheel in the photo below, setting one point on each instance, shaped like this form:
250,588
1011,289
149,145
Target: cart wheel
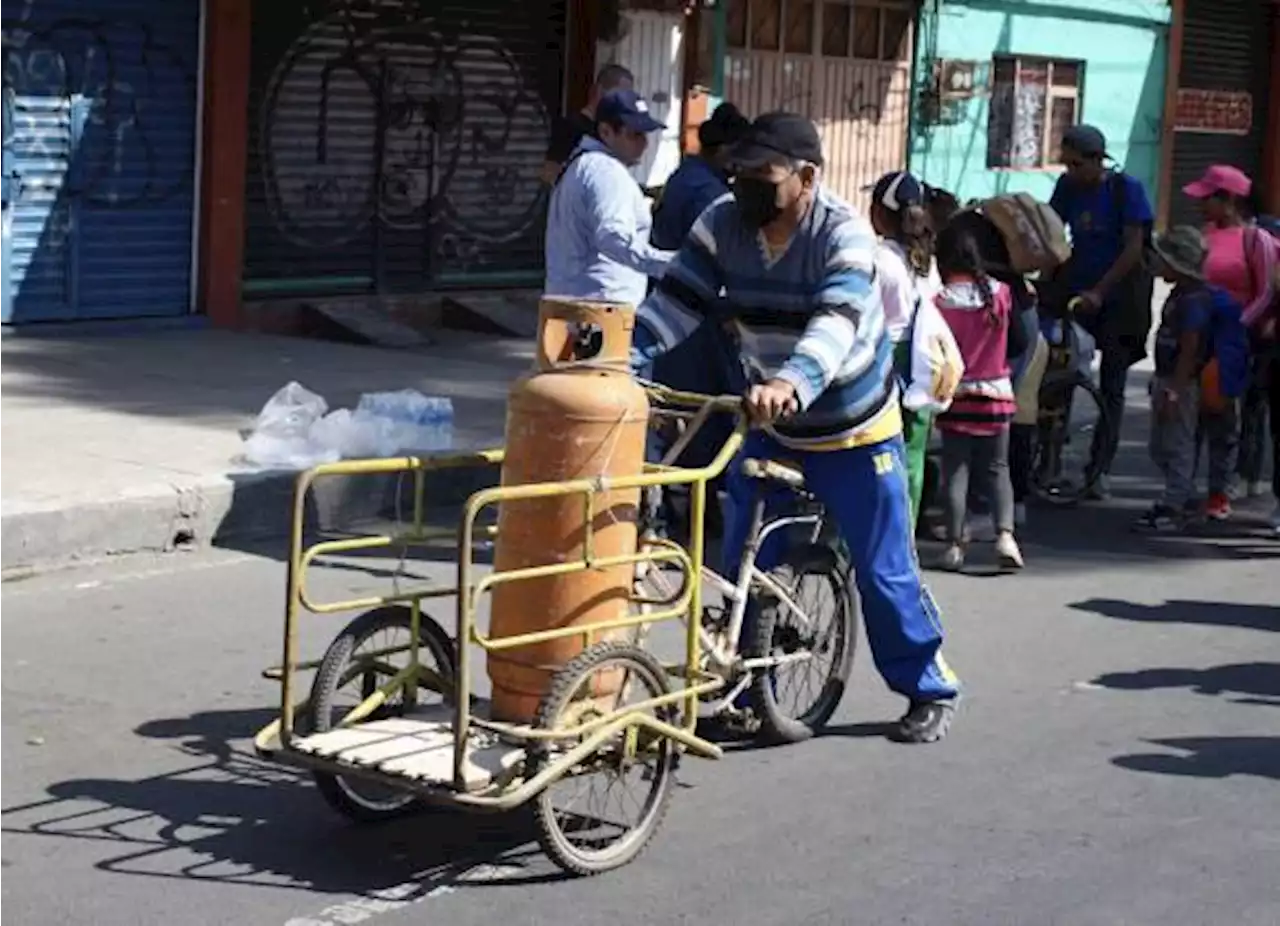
577,827
794,700
347,676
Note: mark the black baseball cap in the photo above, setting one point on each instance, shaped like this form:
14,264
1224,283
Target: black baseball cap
776,137
628,109
1085,140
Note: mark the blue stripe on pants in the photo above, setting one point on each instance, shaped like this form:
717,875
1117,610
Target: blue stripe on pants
864,490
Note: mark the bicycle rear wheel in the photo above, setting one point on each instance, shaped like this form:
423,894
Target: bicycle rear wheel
1072,415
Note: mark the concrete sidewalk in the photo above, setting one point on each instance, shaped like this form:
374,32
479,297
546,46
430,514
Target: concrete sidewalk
128,443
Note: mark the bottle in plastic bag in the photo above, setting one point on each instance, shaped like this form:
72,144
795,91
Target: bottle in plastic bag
281,436
408,421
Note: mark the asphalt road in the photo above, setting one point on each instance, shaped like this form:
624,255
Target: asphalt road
1116,761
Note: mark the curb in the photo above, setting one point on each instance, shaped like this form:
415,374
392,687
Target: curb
226,512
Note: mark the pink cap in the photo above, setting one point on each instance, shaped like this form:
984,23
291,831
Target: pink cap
1220,178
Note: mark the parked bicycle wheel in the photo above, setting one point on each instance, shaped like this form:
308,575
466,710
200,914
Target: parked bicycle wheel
796,697
1071,413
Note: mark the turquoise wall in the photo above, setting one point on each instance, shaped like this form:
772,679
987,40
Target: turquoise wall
1123,46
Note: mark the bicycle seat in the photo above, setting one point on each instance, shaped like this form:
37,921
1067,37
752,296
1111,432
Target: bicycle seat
776,470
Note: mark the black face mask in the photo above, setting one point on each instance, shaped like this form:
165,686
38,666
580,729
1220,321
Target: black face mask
757,201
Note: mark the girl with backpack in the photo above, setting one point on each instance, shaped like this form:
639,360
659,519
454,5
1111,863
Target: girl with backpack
1241,259
975,428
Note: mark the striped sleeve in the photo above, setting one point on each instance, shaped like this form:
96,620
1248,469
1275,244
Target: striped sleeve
846,299
686,293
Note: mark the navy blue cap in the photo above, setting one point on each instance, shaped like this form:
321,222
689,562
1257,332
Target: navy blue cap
626,108
897,190
1085,140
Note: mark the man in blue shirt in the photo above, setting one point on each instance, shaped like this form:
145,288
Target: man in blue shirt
1110,220
599,220
700,179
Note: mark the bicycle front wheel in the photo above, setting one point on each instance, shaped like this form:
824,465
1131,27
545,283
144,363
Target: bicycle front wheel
1069,431
812,636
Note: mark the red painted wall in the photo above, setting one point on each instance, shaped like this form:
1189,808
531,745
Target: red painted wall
1271,154
223,159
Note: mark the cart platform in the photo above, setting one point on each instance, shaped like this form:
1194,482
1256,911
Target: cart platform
417,747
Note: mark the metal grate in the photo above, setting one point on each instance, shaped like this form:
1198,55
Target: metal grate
1225,47
396,145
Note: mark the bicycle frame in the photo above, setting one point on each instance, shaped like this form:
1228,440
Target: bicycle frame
723,649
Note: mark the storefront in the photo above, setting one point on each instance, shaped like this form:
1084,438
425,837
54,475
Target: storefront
1219,105
846,65
101,102
396,148
998,82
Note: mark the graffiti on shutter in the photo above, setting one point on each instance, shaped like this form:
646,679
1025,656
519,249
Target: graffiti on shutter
405,144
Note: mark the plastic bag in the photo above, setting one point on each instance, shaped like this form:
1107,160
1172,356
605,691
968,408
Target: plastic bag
294,432
936,364
281,436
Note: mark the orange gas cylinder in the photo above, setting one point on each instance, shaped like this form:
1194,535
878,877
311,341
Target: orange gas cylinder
578,415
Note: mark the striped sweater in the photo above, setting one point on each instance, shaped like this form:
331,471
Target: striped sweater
984,403
810,315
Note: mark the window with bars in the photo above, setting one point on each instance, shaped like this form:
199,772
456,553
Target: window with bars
832,29
1033,102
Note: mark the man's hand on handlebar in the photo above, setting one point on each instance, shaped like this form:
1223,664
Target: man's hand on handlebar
770,401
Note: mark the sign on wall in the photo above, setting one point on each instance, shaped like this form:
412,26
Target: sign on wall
1217,112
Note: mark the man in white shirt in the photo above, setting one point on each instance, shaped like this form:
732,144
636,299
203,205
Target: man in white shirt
599,221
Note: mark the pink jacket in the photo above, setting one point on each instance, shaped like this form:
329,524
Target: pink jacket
984,404
1243,261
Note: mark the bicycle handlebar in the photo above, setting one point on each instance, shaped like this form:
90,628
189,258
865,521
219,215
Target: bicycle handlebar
668,396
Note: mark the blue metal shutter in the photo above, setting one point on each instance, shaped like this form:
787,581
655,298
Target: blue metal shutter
103,101
396,146
1225,46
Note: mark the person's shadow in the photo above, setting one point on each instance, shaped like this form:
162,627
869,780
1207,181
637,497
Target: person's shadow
1258,681
1210,757
1212,613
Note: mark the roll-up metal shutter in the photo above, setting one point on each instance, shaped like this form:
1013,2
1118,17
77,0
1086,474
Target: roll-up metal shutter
396,145
1225,47
99,158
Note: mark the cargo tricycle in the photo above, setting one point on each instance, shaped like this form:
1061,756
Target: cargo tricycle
393,721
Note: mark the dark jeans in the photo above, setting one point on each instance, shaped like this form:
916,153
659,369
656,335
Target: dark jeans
707,363
1022,442
1112,380
1253,424
1273,397
985,460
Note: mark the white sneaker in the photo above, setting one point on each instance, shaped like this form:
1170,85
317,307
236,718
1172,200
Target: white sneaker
1020,514
1008,553
952,558
1256,489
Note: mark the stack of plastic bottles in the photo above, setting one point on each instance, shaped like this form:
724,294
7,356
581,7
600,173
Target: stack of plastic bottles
295,429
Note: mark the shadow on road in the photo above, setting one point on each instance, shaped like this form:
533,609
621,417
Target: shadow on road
234,818
1212,613
1210,757
1258,681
